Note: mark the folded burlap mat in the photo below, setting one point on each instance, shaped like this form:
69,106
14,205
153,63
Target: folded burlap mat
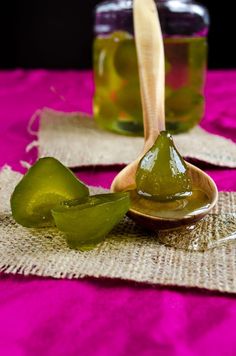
128,253
76,141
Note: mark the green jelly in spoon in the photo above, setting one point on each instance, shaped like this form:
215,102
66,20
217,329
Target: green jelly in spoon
86,222
45,185
162,174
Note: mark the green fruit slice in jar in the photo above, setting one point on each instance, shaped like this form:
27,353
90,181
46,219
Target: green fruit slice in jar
125,59
183,101
44,186
86,222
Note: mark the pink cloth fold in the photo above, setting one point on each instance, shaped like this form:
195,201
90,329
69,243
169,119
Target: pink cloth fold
105,317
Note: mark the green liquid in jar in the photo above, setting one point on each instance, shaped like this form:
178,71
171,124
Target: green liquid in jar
117,103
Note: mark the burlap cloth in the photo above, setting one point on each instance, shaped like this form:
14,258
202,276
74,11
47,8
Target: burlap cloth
76,141
128,253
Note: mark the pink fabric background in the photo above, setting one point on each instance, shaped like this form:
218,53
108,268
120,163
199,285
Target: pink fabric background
106,317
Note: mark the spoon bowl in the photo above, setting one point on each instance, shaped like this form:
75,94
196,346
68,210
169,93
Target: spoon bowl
150,52
201,181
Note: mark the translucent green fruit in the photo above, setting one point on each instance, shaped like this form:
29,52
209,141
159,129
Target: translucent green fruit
125,59
129,100
183,101
162,174
44,186
86,222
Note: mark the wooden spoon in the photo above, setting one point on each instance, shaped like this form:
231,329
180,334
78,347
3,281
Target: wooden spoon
150,52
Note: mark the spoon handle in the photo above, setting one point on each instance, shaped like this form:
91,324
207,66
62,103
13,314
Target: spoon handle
150,52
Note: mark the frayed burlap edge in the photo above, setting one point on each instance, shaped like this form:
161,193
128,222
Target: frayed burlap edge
76,141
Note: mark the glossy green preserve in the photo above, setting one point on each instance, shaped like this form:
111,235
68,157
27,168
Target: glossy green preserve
162,174
163,186
86,222
46,184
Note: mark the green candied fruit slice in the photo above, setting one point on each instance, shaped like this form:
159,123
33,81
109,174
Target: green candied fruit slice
45,185
183,101
86,222
128,99
125,60
162,174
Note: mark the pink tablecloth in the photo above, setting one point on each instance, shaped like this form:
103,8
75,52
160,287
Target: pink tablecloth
97,317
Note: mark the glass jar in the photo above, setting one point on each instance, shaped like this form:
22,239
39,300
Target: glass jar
117,103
